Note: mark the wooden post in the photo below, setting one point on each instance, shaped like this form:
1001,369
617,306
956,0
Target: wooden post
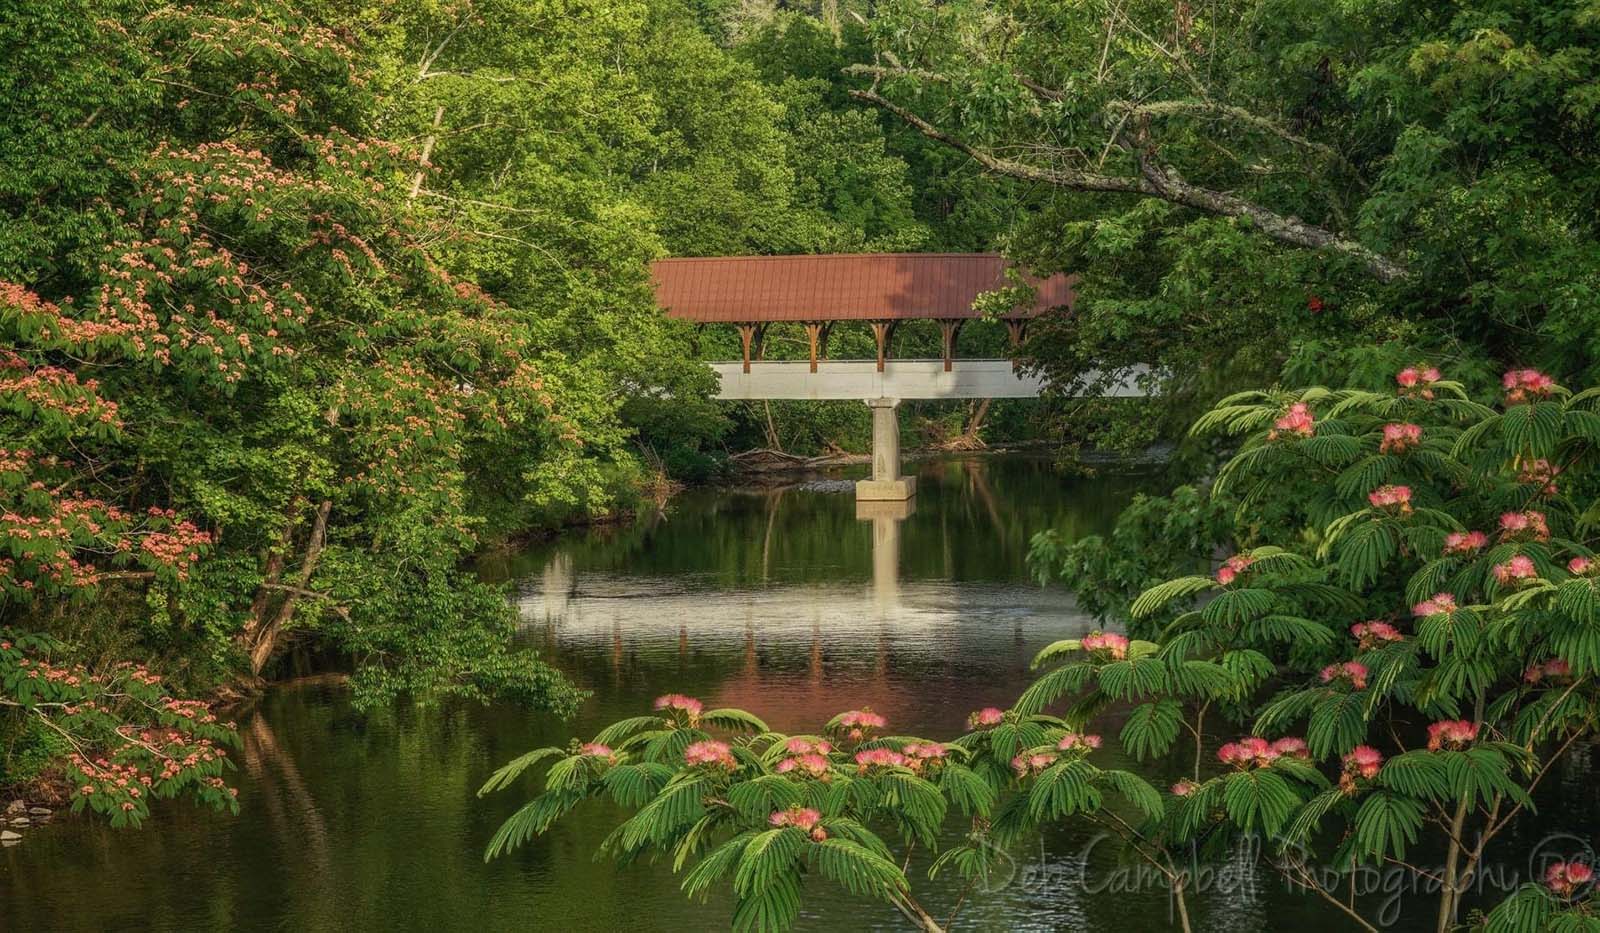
813,337
1018,329
747,335
951,331
883,331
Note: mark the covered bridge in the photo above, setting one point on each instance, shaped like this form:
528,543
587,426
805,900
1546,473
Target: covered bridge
818,292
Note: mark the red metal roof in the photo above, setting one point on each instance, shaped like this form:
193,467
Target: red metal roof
863,286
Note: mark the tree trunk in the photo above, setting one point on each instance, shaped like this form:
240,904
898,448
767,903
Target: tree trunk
266,638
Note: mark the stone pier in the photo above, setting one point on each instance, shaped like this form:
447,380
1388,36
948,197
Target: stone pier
886,483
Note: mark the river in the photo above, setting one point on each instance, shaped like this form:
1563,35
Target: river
783,602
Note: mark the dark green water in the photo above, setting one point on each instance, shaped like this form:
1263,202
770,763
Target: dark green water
784,603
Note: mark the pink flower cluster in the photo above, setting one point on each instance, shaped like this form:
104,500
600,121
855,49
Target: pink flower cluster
1515,570
1184,788
987,717
1523,384
1541,473
1075,740
808,757
678,703
1373,634
1232,567
1298,421
1353,672
858,722
1451,734
1254,751
800,745
1417,381
810,765
1363,761
805,819
1027,764
1531,524
879,758
1555,669
1564,878
1395,498
1113,644
1463,543
1434,605
918,752
710,753
1583,566
596,750
1399,438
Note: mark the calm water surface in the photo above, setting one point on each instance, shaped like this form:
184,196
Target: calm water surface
785,602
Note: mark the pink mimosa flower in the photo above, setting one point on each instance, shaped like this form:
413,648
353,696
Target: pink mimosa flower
1564,878
986,717
1254,751
809,765
1298,421
1399,438
596,750
1364,760
1582,566
1555,669
1515,570
1541,473
1026,764
1452,734
801,746
879,758
1233,567
857,724
1438,603
1523,385
1462,543
710,753
1370,635
1529,524
1113,644
1396,499
1074,740
1417,381
1353,672
1184,788
678,703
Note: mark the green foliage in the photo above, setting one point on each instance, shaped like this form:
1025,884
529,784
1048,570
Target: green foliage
1439,155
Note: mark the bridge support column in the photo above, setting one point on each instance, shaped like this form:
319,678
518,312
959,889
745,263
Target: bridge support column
886,482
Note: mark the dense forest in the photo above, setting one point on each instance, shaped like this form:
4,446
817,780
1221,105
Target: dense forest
303,305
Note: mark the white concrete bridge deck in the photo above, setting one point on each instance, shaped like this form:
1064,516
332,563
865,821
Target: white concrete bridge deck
860,380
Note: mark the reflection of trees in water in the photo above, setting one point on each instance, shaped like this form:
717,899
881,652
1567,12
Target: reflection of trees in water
282,792
773,501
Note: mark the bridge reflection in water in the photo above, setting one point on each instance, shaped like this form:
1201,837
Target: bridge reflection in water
801,602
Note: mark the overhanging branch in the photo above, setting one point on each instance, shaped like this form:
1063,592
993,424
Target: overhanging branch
1157,181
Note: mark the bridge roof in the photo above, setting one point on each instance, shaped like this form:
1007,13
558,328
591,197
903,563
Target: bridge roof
862,286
